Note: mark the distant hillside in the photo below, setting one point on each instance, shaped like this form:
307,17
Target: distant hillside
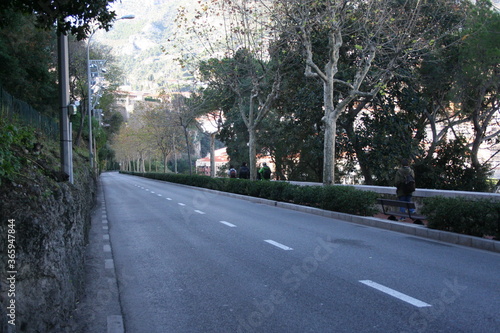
139,42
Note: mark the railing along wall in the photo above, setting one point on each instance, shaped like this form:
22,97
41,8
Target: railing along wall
15,109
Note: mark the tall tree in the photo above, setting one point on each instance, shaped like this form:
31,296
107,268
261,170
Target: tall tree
242,51
159,123
184,112
477,87
383,35
26,57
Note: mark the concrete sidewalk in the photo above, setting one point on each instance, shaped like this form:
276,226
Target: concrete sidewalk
99,309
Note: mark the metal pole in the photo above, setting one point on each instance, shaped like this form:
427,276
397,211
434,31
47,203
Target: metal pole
64,101
89,103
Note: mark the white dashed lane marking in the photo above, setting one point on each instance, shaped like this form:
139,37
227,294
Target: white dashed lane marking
281,246
397,294
228,224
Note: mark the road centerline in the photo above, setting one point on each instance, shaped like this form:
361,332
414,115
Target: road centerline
396,294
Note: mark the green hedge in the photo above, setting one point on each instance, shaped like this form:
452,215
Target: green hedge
471,217
342,199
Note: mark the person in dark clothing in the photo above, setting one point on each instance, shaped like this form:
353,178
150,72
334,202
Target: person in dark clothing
404,176
244,172
232,172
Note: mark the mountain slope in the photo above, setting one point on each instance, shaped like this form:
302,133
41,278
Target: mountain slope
142,44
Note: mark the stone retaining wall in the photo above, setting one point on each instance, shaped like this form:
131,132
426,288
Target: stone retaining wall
50,222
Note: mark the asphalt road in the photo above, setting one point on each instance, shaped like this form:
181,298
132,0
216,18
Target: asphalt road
193,261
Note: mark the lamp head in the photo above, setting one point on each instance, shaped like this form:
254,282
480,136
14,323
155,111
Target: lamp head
127,17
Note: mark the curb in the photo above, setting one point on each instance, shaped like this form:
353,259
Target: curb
99,309
114,317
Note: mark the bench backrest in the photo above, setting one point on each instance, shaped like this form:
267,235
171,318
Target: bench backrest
397,203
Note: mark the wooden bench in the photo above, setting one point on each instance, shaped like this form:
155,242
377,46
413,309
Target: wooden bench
386,204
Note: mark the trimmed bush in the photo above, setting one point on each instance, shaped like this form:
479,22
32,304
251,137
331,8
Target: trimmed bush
307,195
348,200
471,217
238,186
277,190
343,199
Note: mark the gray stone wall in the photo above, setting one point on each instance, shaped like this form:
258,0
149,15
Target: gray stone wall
49,221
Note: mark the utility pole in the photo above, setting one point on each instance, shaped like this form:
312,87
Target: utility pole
64,102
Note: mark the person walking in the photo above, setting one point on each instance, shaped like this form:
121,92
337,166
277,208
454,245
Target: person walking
244,172
265,172
232,172
405,183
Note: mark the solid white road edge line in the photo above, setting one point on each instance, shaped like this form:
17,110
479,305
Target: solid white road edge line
281,246
228,224
394,293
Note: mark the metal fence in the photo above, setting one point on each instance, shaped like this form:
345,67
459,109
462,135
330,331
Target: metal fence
15,109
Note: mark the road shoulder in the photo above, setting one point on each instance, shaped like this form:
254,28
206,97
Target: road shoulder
99,308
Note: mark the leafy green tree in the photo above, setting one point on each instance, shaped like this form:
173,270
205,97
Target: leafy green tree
382,35
292,133
26,55
161,123
75,17
477,87
242,51
451,169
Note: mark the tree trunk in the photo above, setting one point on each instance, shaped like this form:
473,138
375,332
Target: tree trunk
478,139
186,135
212,155
330,127
330,124
252,152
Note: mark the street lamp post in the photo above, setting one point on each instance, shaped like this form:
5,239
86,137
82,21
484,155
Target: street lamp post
89,102
89,96
64,101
